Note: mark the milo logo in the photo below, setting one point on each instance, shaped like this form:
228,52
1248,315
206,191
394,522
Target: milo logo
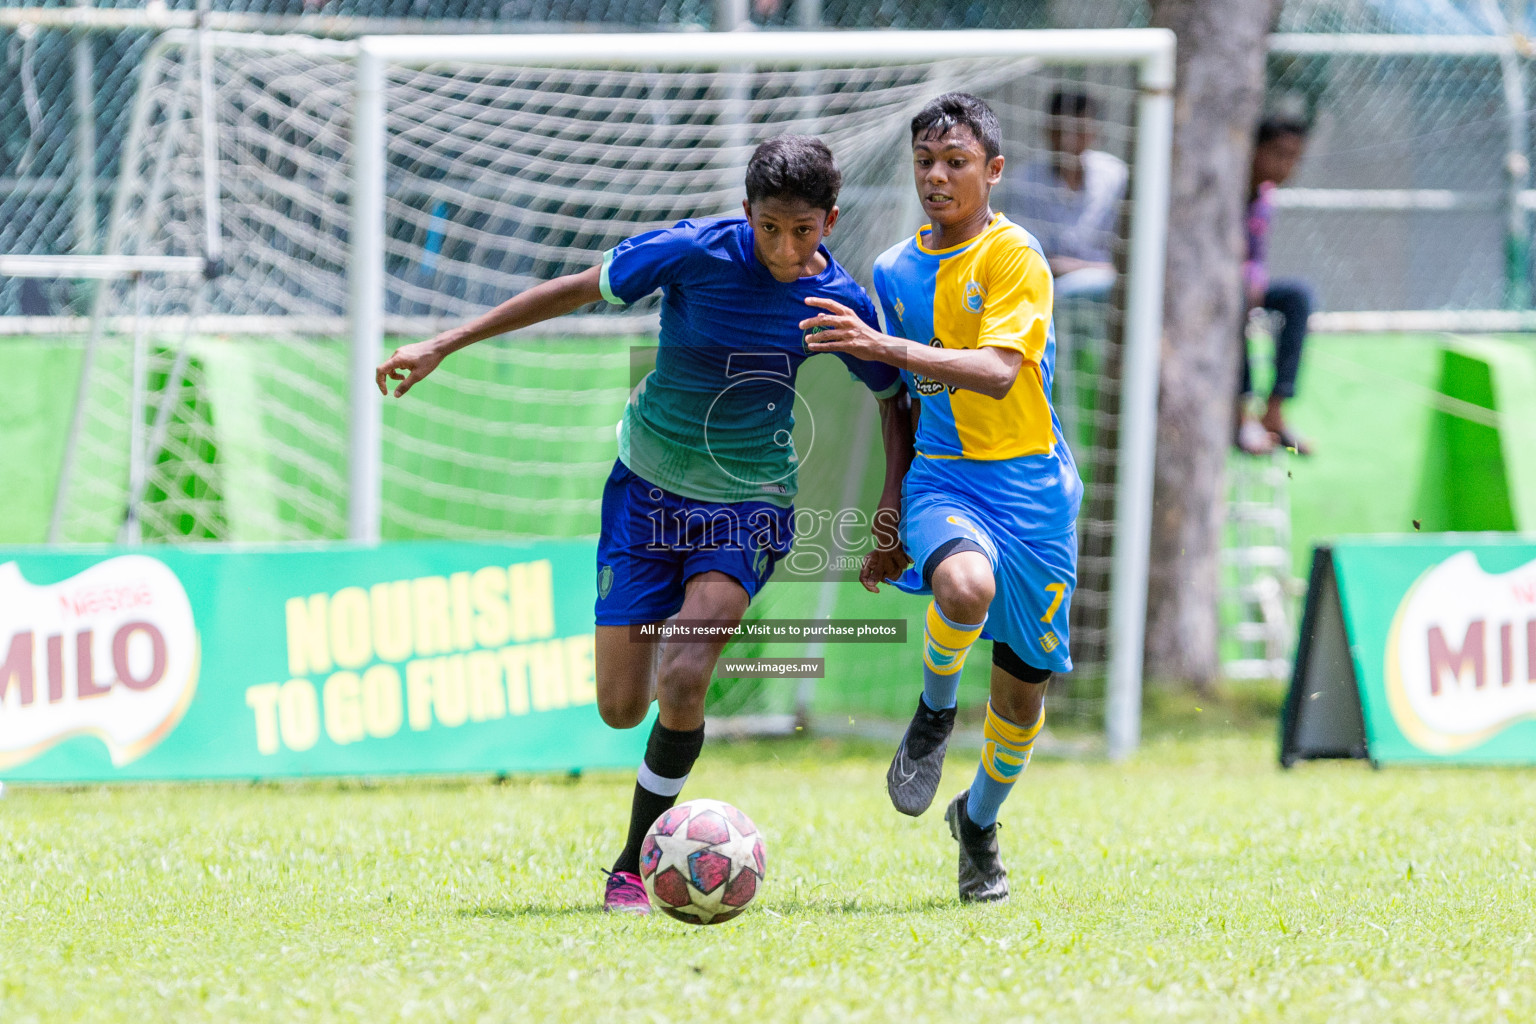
1461,656
110,653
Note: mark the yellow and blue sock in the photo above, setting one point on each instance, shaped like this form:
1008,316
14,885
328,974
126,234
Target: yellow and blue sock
945,644
1004,756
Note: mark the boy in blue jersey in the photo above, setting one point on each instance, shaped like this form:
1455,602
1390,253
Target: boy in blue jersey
697,510
990,502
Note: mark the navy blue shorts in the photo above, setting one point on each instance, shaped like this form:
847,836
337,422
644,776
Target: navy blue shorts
653,541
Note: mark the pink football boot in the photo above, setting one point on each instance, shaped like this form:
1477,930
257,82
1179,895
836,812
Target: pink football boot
625,894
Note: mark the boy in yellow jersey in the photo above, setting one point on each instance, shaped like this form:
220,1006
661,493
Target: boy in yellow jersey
989,504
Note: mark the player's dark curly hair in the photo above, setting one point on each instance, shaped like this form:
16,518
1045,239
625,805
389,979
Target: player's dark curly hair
960,109
794,167
1279,125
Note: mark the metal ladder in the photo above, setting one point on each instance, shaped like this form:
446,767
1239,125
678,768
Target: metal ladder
1258,591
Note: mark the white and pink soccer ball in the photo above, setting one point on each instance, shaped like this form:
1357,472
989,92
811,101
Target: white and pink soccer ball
702,862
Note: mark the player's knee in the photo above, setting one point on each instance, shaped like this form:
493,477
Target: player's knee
964,589
622,708
623,714
684,677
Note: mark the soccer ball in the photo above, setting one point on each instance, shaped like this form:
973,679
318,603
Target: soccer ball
702,862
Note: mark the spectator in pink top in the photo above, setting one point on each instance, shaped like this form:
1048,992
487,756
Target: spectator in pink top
1277,149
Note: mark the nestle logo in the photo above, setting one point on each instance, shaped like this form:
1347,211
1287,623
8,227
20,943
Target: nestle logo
94,600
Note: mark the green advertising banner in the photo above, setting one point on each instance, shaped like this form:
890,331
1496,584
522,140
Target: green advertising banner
1417,649
205,663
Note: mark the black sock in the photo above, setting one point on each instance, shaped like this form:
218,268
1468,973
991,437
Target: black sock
669,757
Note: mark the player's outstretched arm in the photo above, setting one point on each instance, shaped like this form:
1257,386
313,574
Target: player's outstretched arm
989,371
411,363
889,560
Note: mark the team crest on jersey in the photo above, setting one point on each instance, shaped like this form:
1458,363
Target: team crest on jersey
974,296
604,581
927,385
901,310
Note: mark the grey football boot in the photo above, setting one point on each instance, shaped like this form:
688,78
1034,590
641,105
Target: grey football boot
913,777
983,879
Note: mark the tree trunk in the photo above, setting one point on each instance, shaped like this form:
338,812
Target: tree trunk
1217,104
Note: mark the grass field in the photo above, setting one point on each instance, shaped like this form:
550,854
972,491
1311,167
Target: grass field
1198,883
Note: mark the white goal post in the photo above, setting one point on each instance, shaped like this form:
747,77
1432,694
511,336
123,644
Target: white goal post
302,223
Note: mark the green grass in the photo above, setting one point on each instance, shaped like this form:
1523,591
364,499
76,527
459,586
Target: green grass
1199,882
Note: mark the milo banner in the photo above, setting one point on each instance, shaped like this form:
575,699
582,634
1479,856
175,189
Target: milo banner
214,663
1417,650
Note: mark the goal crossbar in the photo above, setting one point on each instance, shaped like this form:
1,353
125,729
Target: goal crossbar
1152,49
98,268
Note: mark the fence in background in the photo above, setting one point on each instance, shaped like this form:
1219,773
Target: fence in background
1420,147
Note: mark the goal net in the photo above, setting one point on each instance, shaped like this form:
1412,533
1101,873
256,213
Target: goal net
347,197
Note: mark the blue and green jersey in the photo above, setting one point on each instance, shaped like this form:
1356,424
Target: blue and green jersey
714,420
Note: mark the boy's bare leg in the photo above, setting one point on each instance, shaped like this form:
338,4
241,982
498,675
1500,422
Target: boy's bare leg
626,675
963,588
627,664
682,680
686,668
1016,700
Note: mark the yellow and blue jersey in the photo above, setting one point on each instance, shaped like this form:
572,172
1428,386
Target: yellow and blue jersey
993,291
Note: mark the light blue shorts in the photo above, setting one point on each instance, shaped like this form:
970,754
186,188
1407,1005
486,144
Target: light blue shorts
1035,575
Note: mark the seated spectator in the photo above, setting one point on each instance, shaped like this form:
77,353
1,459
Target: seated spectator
1070,199
1277,150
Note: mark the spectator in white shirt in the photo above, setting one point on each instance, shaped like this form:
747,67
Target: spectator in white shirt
1070,199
